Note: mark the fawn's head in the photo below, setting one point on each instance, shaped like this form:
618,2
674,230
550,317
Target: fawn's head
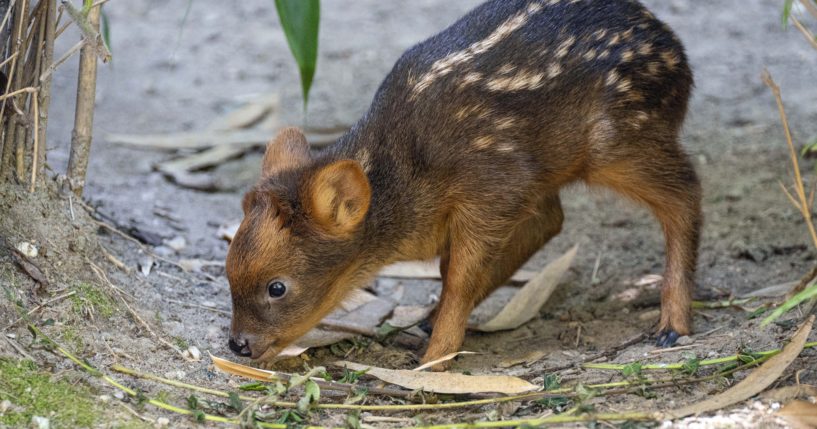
293,257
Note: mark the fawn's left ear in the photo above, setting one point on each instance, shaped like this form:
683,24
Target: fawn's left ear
287,151
338,197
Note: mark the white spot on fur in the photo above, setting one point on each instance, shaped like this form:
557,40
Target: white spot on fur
483,142
524,79
505,122
446,65
670,59
604,54
554,70
612,78
627,55
565,46
590,55
469,79
599,34
365,159
624,85
505,147
645,48
506,69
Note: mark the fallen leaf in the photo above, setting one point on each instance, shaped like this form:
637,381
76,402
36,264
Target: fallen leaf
445,358
30,268
248,115
800,414
527,359
755,382
787,393
431,270
445,382
526,303
243,370
649,279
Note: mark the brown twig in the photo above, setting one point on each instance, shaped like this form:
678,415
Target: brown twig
802,203
804,31
68,54
40,307
27,90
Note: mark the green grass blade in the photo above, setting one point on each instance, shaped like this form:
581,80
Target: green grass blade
807,293
784,18
299,20
105,30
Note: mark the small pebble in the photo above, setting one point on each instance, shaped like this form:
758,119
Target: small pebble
162,422
193,353
5,406
28,249
40,422
176,243
684,341
119,395
105,398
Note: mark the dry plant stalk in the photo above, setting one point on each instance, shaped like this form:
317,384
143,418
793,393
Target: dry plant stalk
812,9
802,203
84,115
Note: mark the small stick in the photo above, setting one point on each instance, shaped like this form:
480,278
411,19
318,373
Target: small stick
672,349
40,307
805,31
6,61
68,54
36,149
17,347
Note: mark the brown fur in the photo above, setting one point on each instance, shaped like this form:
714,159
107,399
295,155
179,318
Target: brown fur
462,155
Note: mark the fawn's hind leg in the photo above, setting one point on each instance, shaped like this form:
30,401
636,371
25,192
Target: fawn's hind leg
663,179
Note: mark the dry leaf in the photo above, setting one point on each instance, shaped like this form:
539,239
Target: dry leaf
527,359
755,382
526,303
243,370
248,115
649,280
431,270
441,360
787,393
800,414
445,382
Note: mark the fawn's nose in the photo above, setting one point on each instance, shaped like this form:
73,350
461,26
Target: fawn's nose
240,347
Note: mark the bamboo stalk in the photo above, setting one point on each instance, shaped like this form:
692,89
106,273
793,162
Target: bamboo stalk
44,94
10,125
21,131
84,116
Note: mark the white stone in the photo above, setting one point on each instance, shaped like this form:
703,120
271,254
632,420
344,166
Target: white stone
28,249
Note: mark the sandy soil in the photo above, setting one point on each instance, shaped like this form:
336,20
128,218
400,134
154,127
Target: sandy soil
169,75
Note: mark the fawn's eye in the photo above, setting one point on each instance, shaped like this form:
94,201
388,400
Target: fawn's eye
276,289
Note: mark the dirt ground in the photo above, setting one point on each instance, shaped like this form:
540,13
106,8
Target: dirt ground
172,73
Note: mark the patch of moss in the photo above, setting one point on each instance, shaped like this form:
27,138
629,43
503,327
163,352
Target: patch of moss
72,338
33,392
89,299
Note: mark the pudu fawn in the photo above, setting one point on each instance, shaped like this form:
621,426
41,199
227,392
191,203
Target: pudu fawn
461,155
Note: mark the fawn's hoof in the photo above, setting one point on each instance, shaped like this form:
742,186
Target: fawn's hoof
426,326
666,338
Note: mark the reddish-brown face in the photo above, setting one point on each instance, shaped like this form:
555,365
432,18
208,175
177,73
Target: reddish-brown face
292,258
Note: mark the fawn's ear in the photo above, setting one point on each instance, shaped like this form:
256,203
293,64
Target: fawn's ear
288,150
338,196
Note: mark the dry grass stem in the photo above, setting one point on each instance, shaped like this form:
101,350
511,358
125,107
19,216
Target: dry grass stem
27,90
804,31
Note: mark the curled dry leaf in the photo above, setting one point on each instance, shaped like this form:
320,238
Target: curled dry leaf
649,280
526,303
755,382
243,370
445,382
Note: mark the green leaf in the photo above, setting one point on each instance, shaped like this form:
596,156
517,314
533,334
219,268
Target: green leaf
630,370
786,13
299,20
551,382
255,386
235,402
105,30
312,394
805,294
